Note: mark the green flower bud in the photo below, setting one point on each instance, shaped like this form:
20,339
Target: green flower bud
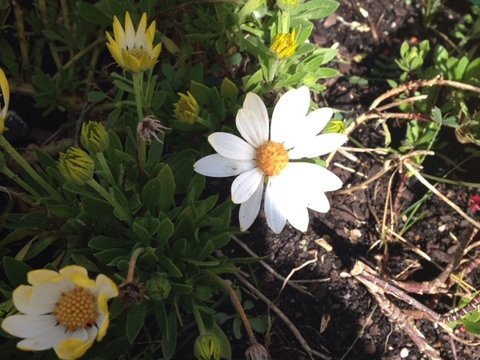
158,287
94,137
207,347
76,166
334,126
287,5
187,109
284,45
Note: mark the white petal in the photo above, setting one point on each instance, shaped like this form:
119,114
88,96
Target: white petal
317,146
298,218
273,196
291,200
249,209
309,127
319,202
308,176
252,126
245,185
290,109
218,166
50,292
27,326
44,341
25,302
231,146
81,334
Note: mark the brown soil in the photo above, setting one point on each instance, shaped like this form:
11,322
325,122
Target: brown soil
342,320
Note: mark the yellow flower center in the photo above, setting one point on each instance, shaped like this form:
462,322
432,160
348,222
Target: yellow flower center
76,309
272,158
136,52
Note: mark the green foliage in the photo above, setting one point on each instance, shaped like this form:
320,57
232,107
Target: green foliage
130,200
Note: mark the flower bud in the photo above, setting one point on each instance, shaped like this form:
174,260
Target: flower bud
187,109
284,45
334,126
94,137
76,166
158,287
256,352
287,5
207,347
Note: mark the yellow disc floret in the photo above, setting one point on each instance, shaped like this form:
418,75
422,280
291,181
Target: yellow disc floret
76,309
137,52
272,158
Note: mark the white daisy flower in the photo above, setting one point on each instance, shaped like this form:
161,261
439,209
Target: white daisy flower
63,310
269,157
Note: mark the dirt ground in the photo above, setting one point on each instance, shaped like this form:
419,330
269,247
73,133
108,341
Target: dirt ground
338,317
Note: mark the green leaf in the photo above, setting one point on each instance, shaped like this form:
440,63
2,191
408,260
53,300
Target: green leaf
225,343
165,231
169,338
16,271
96,96
171,268
229,90
150,194
166,197
136,320
103,242
315,9
108,255
140,234
93,15
35,247
200,92
62,211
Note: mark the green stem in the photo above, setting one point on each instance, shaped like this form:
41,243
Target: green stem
105,168
201,326
28,168
122,213
138,92
238,305
284,21
20,182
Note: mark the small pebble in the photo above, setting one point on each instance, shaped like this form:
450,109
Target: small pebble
404,353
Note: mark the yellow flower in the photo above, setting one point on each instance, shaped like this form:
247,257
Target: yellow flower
6,99
132,50
187,109
63,310
76,166
284,45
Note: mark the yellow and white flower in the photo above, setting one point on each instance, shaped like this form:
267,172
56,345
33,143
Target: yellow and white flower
271,155
6,99
63,310
132,50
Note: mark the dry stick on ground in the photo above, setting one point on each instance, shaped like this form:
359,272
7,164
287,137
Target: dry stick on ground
283,317
362,273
